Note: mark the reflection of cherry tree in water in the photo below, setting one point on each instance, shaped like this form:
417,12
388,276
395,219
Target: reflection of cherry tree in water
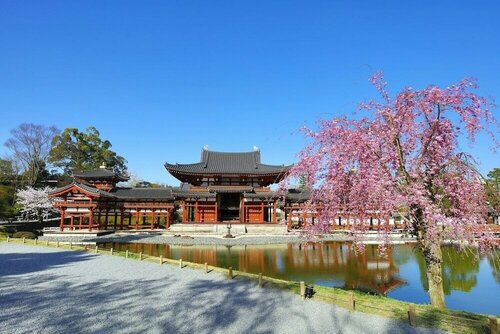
371,271
402,254
460,269
494,261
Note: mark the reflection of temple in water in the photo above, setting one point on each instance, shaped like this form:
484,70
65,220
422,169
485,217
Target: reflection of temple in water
328,261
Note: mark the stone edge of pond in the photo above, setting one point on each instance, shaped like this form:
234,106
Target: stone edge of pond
187,239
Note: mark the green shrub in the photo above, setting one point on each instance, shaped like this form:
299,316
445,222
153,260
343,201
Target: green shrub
24,234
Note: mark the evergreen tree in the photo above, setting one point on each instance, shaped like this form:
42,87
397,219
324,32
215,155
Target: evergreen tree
73,150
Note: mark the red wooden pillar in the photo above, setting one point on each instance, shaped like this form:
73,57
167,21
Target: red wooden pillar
304,215
196,213
61,224
216,214
152,219
275,218
80,222
289,218
242,209
243,215
167,223
91,220
106,219
136,218
262,211
121,219
99,217
72,224
116,218
183,211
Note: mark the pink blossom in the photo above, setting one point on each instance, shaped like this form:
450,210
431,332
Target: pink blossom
403,158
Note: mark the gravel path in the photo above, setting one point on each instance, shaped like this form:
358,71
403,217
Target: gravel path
48,290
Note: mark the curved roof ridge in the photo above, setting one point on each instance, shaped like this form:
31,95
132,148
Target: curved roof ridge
99,173
187,165
229,152
278,166
245,164
84,187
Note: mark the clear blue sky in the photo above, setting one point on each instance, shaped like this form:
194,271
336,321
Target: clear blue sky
160,79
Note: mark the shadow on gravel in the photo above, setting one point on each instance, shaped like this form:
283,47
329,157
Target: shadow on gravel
162,306
145,297
23,263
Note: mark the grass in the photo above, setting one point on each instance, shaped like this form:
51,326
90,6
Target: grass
426,315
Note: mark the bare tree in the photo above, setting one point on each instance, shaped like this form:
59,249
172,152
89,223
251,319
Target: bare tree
133,180
29,147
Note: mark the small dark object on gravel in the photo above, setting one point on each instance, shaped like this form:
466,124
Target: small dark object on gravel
177,235
309,291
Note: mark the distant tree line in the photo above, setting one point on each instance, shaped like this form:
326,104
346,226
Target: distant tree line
492,186
40,157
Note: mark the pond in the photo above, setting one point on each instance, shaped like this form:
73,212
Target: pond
471,283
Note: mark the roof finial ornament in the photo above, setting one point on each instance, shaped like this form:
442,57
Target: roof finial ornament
255,148
205,147
103,165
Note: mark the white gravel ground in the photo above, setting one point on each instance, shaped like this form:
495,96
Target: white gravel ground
44,290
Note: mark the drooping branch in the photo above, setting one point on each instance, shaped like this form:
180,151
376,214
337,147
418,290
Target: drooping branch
433,127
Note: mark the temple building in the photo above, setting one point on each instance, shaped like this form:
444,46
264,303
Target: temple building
227,187
223,187
94,201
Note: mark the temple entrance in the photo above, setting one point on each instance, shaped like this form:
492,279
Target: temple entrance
229,206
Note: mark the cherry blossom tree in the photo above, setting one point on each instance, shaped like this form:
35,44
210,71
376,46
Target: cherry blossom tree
404,157
35,202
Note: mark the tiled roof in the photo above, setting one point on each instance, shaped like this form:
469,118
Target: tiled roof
186,191
85,187
99,173
192,194
123,193
297,195
230,189
246,163
261,195
144,193
293,195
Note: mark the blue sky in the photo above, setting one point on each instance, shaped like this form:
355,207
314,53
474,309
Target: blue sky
160,79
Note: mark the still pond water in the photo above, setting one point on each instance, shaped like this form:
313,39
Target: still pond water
470,283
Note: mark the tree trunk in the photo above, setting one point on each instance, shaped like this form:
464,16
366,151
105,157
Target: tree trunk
39,216
429,242
431,250
433,260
